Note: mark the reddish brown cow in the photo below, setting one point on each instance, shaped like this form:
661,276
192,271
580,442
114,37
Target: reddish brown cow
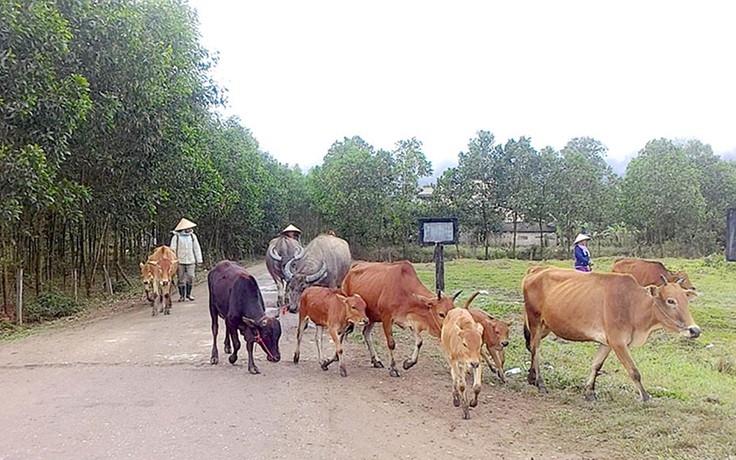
608,308
394,295
495,337
461,340
157,274
650,272
330,308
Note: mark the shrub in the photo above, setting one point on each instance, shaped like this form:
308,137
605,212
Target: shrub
51,304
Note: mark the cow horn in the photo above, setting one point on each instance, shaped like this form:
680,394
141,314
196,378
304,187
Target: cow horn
454,297
664,280
273,254
319,275
680,281
288,274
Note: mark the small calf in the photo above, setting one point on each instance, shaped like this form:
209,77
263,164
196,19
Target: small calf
330,308
462,339
495,338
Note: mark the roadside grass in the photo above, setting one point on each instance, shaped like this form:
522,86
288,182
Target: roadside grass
692,413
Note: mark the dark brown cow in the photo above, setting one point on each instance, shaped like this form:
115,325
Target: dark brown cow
157,274
394,295
650,272
608,308
329,308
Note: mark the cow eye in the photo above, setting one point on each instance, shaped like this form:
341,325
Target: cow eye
671,302
442,315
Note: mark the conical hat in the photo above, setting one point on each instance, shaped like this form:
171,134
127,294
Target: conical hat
184,224
581,237
291,228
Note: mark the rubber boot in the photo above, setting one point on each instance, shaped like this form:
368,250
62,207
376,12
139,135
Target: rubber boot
189,292
181,293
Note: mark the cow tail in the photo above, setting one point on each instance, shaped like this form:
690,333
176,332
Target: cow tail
527,337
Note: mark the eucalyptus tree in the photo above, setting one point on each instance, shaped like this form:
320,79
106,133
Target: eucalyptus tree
475,191
410,164
522,163
662,195
351,190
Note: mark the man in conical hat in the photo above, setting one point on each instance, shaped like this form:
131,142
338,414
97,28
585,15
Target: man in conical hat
186,246
291,231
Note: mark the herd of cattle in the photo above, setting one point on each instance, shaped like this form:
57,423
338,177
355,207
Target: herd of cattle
617,310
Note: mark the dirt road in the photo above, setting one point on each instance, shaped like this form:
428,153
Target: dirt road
128,385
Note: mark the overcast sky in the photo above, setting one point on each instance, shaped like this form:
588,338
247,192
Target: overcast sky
304,74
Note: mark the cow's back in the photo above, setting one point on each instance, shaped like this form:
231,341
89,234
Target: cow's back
234,292
646,272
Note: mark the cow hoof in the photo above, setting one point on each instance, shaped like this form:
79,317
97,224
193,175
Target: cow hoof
343,371
474,403
228,350
296,358
466,414
233,358
324,365
456,400
376,363
590,396
408,364
214,360
394,373
254,370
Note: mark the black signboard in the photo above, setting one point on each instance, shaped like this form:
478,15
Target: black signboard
438,231
731,235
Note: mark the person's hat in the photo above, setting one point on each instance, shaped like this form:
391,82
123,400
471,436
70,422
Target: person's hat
184,224
291,228
581,237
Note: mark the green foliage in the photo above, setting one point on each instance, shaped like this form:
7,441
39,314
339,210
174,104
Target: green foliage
49,305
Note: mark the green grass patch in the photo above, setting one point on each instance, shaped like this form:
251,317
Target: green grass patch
692,413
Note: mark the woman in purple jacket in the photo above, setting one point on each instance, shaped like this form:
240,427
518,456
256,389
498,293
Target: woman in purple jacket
582,255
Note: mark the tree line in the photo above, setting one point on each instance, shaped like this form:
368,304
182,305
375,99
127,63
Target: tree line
110,133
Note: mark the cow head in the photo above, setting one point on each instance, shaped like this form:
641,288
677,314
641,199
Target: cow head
354,309
496,338
472,341
268,333
681,278
147,276
437,308
672,308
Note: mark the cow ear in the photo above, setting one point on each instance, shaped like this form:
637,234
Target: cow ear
690,293
142,264
479,328
249,322
651,290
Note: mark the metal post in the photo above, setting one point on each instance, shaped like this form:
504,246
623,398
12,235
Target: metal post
439,268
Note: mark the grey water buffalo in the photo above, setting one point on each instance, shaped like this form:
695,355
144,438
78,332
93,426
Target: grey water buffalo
324,262
280,251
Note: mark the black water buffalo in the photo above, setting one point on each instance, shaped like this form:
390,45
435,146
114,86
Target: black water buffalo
324,262
235,297
280,251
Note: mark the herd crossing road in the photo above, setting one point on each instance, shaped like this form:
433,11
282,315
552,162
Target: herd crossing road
129,385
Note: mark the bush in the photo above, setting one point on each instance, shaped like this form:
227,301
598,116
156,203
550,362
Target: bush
49,305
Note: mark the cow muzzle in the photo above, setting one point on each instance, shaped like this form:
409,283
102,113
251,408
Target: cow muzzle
692,332
474,364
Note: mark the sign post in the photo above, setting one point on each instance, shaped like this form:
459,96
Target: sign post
438,232
731,235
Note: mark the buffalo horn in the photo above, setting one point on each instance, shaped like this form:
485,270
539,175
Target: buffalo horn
274,255
288,274
319,275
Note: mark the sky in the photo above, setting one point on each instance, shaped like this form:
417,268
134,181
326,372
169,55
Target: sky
302,75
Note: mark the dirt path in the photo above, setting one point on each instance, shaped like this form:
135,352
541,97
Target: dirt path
129,385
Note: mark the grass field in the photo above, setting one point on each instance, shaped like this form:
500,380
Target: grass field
693,382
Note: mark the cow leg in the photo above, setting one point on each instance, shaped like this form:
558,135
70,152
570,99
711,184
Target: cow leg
388,331
461,390
477,379
415,354
455,373
598,360
534,377
375,360
233,333
252,368
214,357
494,366
318,339
280,292
301,327
337,340
228,347
624,355
154,304
167,301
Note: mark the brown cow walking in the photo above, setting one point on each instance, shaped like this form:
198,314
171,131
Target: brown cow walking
461,340
608,308
647,272
157,274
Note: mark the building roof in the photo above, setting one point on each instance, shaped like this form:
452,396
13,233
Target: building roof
526,227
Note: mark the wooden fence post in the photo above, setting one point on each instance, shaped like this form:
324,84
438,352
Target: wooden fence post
19,300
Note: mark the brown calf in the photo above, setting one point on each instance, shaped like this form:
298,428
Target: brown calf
461,340
330,308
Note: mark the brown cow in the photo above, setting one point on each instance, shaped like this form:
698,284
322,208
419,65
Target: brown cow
650,272
461,339
608,308
495,337
330,308
394,295
157,274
